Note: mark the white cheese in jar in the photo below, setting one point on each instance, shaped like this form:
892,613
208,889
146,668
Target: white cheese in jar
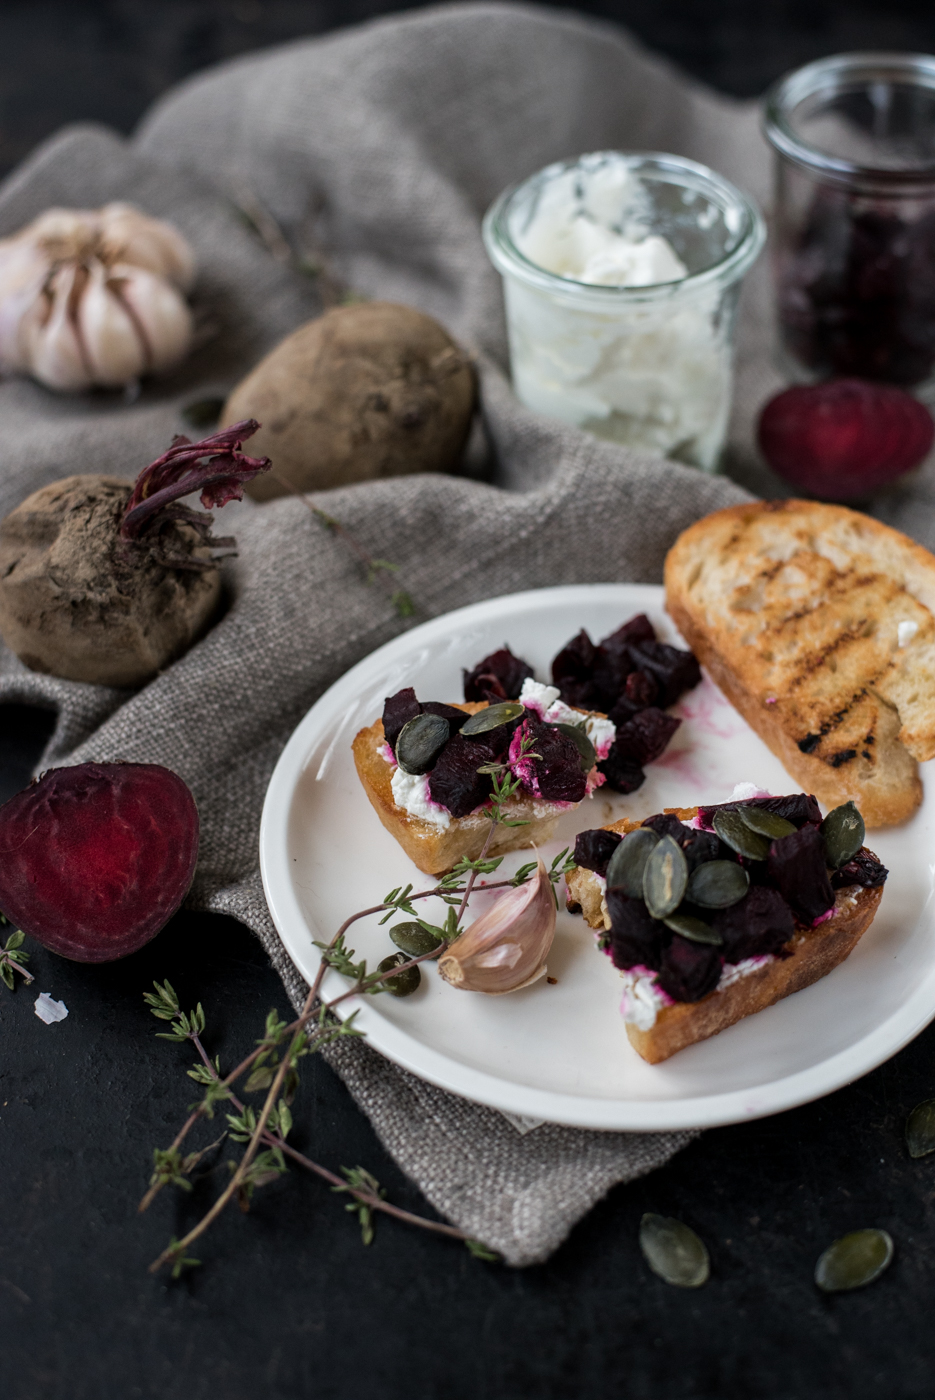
650,372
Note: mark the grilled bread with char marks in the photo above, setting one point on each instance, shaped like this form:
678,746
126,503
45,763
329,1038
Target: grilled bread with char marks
818,623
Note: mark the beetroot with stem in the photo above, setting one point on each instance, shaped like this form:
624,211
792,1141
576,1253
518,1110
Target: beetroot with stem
95,859
105,581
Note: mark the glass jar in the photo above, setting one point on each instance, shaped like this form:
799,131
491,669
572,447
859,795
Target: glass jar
854,235
621,277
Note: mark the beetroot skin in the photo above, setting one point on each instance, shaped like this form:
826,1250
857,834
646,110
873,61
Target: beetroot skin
845,439
95,859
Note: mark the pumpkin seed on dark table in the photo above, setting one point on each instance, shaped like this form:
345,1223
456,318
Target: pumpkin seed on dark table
695,930
842,832
734,832
492,718
414,939
920,1129
766,823
664,878
854,1260
673,1251
626,865
405,983
420,742
582,743
717,884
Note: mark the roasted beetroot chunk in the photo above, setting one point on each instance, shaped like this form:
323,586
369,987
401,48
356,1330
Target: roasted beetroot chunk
573,671
636,938
398,710
760,923
797,808
593,849
864,870
499,676
558,767
621,773
689,971
645,737
796,865
95,859
674,671
454,782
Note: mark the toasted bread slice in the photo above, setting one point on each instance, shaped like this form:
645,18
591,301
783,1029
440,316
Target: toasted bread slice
434,849
814,952
818,623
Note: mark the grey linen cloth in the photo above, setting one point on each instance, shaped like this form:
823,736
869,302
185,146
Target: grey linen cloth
376,151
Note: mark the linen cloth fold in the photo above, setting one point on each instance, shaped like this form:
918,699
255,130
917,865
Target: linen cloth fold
377,150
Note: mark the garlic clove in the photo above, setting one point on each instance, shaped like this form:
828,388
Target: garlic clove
160,313
48,334
506,948
23,269
129,236
63,234
115,345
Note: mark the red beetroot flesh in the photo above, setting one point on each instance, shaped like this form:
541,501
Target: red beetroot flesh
95,859
844,439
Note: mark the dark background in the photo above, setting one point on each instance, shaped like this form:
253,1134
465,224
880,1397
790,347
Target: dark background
288,1303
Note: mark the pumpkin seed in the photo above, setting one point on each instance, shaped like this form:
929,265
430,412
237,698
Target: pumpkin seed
734,832
583,744
414,939
664,878
420,742
920,1129
626,865
673,1251
766,823
718,884
843,832
492,718
854,1260
406,982
694,929
203,413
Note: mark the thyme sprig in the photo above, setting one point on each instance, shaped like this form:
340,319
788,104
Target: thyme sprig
379,571
273,1065
13,959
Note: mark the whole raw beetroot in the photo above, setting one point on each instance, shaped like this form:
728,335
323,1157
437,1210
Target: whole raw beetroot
95,859
105,581
845,439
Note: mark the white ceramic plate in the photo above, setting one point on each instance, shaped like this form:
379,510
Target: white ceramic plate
560,1052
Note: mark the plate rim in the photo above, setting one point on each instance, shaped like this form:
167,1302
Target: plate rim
479,1086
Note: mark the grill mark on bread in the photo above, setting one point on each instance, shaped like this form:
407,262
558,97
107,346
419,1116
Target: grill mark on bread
799,603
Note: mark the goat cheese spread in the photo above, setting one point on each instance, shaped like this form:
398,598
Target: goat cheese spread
643,998
411,792
654,373
544,699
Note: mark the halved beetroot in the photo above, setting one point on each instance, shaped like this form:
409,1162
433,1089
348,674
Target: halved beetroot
844,439
95,859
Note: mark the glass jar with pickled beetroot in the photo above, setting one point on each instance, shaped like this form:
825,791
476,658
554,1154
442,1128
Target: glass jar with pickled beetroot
854,218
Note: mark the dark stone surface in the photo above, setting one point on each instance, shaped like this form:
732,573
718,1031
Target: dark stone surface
107,60
288,1303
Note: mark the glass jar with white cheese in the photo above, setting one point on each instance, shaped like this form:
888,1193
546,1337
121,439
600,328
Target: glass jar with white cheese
621,276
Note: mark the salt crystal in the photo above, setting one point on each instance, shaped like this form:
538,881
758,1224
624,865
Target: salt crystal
49,1010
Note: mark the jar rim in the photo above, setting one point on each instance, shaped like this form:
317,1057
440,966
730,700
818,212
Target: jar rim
508,260
829,74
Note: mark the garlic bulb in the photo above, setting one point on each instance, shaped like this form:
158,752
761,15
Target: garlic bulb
506,948
94,297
